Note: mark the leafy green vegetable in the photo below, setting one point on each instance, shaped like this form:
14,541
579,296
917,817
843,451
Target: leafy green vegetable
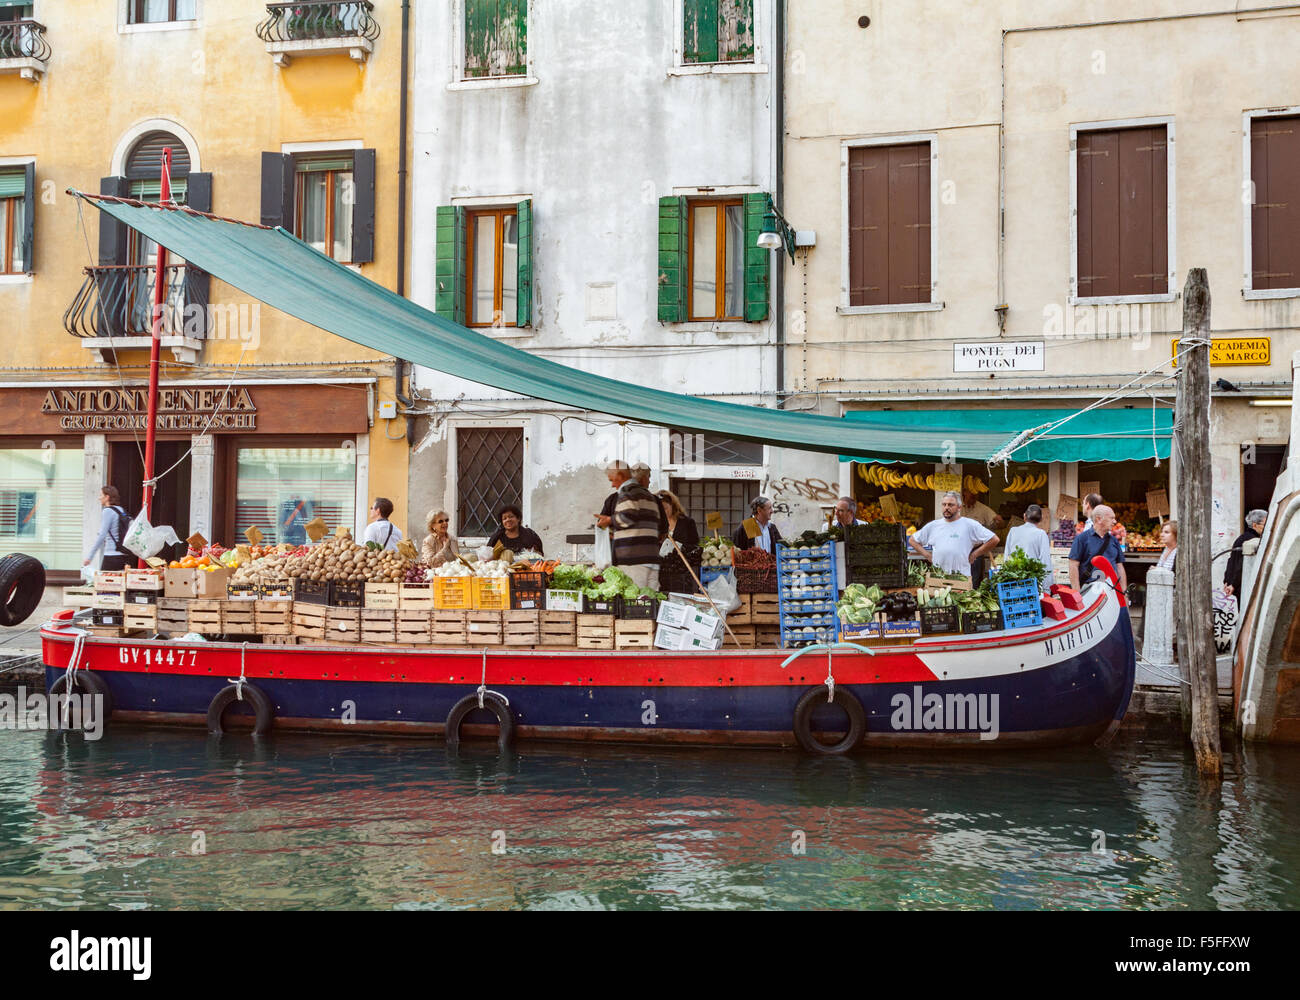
1018,566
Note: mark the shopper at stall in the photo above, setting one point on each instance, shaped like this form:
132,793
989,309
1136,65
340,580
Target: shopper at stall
634,526
113,522
1255,521
1032,539
954,542
761,510
641,473
381,529
439,545
1169,538
1090,503
512,534
974,510
1096,541
617,473
682,528
846,512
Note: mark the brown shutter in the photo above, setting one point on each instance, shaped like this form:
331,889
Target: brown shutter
1275,215
889,225
1122,235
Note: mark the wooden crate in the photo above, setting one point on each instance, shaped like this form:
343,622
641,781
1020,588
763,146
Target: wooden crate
595,631
521,628
280,640
415,596
764,610
767,636
743,615
145,617
173,614
238,618
383,596
309,620
276,590
746,636
411,625
491,593
78,597
273,617
343,624
378,624
144,579
447,628
108,602
104,633
483,628
558,628
110,581
205,617
634,634
453,593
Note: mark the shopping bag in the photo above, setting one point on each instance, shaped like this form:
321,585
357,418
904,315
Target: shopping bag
604,554
722,591
145,540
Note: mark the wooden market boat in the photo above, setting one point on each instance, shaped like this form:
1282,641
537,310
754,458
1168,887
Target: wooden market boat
1065,682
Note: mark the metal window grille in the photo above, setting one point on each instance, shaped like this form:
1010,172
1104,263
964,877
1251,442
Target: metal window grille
489,475
727,496
687,448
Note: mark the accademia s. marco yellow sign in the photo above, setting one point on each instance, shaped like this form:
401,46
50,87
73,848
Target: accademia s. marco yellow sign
1235,351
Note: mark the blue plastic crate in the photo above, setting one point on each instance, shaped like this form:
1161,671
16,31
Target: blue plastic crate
711,573
1024,618
1018,590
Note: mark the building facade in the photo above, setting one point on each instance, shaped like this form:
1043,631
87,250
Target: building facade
281,113
1006,213
589,181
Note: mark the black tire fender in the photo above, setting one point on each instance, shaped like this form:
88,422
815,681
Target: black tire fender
494,703
263,711
88,683
22,585
803,721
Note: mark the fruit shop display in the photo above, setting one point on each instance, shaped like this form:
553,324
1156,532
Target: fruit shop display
754,558
890,479
1065,532
858,604
1025,483
716,551
338,559
900,606
907,513
1017,566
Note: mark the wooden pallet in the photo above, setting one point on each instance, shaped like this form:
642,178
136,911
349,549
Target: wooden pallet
239,618
746,636
634,634
415,596
280,640
767,636
205,617
378,624
383,596
411,625
132,621
764,609
447,628
483,628
273,617
743,615
595,631
309,620
521,628
343,624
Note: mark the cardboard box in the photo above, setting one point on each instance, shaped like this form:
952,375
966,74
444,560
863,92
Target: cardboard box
933,582
667,637
179,582
211,585
705,625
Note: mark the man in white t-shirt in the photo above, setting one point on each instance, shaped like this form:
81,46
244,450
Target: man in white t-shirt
381,529
956,541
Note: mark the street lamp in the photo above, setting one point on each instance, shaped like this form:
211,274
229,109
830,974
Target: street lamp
776,231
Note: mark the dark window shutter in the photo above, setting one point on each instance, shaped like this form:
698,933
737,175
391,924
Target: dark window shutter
1122,241
277,190
700,31
672,260
524,300
1275,215
363,210
198,283
112,234
889,225
29,219
868,225
757,260
449,264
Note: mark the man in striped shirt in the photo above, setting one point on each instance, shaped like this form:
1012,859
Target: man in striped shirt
635,524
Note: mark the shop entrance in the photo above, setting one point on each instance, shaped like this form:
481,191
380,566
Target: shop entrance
1259,479
171,499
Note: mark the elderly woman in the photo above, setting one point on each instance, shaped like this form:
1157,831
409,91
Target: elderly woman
439,545
512,534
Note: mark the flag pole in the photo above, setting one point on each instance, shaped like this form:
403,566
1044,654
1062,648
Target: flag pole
155,344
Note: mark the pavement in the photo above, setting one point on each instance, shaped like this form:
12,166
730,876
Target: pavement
19,643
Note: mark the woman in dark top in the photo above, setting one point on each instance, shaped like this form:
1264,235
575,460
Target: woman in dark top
512,534
681,528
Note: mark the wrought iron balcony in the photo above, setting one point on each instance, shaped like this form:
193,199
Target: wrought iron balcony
114,309
319,28
23,49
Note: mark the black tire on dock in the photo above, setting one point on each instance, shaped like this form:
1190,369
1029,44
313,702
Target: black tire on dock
22,584
493,703
263,712
86,683
803,721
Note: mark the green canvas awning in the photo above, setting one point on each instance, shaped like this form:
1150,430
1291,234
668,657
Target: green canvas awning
977,435
282,271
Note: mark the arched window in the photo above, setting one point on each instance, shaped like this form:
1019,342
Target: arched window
144,166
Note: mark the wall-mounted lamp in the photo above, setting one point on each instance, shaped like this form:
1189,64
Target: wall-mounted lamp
776,232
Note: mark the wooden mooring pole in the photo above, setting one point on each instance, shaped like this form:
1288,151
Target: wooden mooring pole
1192,570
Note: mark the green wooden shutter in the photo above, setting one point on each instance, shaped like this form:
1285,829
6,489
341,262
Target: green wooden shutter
524,292
512,35
757,260
672,260
736,31
449,266
28,236
700,31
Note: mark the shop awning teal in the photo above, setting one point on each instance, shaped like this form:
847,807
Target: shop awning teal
1106,434
282,271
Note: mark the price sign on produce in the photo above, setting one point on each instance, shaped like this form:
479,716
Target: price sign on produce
889,506
945,481
1086,488
1067,508
1158,503
714,520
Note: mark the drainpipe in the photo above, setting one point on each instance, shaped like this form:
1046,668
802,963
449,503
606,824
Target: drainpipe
778,61
399,364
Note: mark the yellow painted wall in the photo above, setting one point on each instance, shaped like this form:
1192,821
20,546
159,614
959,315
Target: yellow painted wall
215,79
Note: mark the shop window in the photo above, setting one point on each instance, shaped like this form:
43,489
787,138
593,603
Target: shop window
495,39
688,448
484,265
728,497
710,267
160,11
1122,185
1275,212
890,249
279,490
326,199
489,475
41,504
717,31
17,219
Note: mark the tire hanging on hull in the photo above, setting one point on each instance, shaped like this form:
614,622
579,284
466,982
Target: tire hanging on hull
495,704
263,712
91,684
803,712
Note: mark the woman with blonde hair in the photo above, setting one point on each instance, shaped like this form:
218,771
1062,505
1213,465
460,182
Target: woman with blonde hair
1169,536
439,546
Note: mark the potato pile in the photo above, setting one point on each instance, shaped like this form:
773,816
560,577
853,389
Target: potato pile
337,558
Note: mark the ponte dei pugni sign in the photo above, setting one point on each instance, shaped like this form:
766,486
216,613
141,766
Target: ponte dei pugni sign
119,409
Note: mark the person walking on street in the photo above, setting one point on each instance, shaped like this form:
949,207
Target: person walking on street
955,542
1097,541
635,528
1255,522
768,536
113,522
381,529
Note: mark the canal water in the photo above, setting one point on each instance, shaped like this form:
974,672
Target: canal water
162,819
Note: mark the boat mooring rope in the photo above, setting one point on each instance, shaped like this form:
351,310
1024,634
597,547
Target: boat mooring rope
242,680
483,688
70,675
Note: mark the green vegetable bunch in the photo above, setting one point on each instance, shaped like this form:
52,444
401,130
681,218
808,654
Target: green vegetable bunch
1018,566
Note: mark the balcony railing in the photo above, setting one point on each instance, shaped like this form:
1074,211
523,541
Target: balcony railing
23,48
294,22
117,301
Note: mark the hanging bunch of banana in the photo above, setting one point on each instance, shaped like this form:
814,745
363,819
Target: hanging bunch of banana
974,484
1024,483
